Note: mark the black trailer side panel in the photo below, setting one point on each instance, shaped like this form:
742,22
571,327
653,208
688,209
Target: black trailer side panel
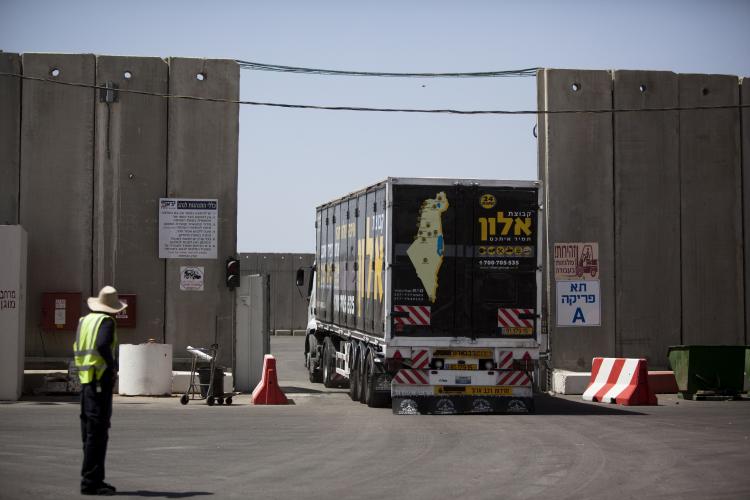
330,261
379,229
362,262
337,264
319,242
369,242
351,259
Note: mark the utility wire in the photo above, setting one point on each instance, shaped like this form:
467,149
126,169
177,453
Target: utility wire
255,66
380,110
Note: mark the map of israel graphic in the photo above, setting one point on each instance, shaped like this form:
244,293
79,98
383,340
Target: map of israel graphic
426,253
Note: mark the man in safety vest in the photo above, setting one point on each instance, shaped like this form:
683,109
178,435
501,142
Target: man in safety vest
95,354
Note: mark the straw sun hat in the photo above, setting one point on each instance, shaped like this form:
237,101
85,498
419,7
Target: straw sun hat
107,301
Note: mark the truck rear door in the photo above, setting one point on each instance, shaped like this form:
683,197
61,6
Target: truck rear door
464,261
504,261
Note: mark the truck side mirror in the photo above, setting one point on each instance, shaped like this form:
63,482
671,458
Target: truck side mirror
300,280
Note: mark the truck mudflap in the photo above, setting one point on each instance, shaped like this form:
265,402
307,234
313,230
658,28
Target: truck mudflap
461,391
451,405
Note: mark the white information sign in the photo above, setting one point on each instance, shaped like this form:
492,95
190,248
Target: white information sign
188,228
578,303
191,279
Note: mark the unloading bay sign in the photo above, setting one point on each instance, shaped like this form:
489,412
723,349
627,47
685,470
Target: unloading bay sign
578,303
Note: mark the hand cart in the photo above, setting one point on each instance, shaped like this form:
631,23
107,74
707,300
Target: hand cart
204,358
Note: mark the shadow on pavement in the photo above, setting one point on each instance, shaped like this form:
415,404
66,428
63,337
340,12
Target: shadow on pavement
290,389
163,494
552,405
51,399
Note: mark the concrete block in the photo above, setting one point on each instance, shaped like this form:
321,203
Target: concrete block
13,293
56,193
202,163
10,133
130,177
647,216
662,382
181,381
33,381
713,302
579,199
568,382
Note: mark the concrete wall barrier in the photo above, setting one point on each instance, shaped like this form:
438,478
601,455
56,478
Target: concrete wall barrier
661,192
89,179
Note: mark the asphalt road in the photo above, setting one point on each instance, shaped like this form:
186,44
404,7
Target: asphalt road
326,446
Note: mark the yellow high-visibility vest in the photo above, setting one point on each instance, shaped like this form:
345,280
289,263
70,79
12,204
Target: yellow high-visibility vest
90,363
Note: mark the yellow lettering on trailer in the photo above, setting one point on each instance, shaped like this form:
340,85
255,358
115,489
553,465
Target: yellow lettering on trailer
488,226
379,258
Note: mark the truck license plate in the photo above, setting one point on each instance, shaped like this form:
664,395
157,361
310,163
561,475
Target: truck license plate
517,331
499,390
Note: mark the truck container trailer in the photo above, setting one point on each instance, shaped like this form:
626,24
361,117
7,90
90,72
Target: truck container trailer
426,293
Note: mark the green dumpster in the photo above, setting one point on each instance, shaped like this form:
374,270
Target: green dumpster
709,370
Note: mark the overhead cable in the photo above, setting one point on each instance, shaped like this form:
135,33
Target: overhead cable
255,66
379,110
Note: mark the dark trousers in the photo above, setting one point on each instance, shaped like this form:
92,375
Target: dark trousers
96,411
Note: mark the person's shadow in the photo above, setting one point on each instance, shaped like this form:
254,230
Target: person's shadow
163,494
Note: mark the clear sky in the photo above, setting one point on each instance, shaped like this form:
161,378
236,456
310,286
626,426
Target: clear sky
292,160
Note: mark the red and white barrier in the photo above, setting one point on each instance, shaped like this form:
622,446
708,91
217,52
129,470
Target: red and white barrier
619,380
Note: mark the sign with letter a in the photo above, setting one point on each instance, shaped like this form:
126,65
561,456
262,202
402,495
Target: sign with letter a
578,303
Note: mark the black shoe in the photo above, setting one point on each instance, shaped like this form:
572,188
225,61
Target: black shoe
103,489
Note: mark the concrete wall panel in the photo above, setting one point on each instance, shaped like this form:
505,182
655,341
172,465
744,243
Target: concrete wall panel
547,280
13,292
745,99
281,292
202,163
10,134
56,194
647,216
288,305
578,173
130,177
712,257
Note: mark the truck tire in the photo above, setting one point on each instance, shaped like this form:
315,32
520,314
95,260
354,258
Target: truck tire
315,375
373,399
328,363
354,374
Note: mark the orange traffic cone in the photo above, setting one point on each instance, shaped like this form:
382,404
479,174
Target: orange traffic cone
268,392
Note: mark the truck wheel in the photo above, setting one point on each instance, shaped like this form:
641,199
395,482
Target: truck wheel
328,363
354,374
314,375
